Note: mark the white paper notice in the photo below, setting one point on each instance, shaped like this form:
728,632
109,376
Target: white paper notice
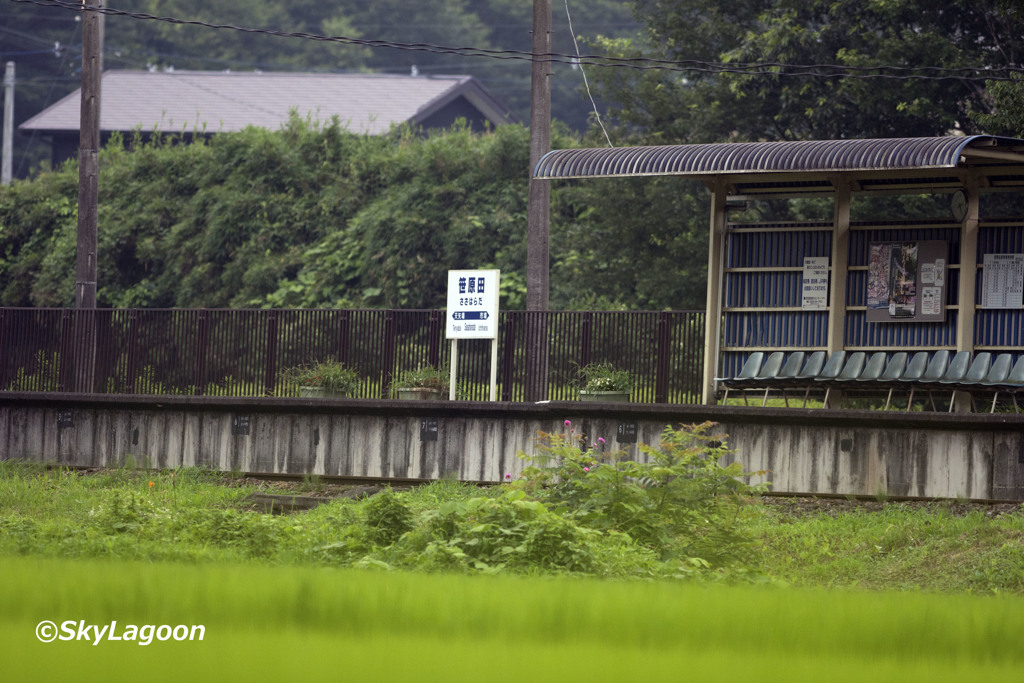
815,284
931,300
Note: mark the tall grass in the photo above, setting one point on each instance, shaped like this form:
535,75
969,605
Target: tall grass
319,624
900,547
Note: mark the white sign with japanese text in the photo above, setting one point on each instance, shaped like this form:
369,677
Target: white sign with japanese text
814,285
472,304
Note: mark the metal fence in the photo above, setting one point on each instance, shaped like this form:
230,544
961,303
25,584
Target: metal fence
244,352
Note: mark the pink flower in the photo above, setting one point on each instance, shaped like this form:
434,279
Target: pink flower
568,422
600,439
586,469
508,475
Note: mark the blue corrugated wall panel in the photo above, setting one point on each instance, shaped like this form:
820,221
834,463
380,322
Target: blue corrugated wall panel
786,245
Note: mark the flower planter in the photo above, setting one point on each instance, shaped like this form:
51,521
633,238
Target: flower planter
605,396
420,394
320,392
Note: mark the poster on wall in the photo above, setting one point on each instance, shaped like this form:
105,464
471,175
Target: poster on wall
906,281
814,285
1002,281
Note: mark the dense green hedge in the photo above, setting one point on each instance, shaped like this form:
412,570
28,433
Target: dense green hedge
312,216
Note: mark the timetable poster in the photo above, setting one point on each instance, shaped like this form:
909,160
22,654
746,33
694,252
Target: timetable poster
906,281
1002,281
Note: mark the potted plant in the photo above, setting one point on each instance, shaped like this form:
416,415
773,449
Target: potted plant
424,383
324,379
604,382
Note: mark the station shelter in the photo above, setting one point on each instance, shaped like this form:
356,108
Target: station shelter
950,278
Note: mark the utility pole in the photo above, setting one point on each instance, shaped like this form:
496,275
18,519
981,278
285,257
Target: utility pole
88,156
84,361
8,153
538,211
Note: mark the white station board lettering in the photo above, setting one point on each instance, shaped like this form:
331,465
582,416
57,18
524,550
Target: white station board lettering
472,304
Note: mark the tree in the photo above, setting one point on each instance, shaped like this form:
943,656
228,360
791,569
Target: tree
706,104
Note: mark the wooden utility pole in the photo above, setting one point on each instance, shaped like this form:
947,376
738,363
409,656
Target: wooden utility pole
84,354
88,156
538,211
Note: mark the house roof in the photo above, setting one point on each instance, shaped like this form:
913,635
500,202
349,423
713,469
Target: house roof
806,165
171,101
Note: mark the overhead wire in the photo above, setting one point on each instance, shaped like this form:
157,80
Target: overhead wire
586,83
769,68
49,95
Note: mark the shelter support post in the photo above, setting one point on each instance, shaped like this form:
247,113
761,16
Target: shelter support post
839,261
713,318
968,278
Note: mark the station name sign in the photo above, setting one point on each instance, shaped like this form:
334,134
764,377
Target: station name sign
472,304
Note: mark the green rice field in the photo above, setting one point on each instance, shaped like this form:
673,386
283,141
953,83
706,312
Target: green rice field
296,623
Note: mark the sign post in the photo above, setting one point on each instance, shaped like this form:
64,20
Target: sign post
473,314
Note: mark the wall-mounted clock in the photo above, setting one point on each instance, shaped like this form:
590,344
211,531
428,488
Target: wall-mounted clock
958,205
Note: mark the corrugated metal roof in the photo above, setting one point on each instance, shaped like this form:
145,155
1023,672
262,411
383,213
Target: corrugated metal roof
806,156
222,102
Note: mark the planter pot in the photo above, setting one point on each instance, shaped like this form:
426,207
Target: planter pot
320,392
421,394
605,396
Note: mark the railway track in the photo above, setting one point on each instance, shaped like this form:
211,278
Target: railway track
336,484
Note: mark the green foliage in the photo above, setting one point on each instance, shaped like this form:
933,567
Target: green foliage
45,376
779,104
1007,114
490,534
387,518
681,503
896,546
603,377
424,377
330,375
612,521
127,512
415,627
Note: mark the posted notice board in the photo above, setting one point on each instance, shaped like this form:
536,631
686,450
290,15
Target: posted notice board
907,281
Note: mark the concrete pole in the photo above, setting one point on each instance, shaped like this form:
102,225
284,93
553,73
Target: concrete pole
713,309
840,258
538,230
967,293
6,164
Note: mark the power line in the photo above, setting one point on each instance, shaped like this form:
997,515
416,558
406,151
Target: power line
777,69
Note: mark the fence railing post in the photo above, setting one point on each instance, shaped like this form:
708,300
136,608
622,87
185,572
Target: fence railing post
271,366
132,351
508,359
388,360
344,330
199,369
66,355
663,364
586,338
434,337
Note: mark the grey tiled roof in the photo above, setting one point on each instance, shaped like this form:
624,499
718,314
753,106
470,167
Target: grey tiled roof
222,101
